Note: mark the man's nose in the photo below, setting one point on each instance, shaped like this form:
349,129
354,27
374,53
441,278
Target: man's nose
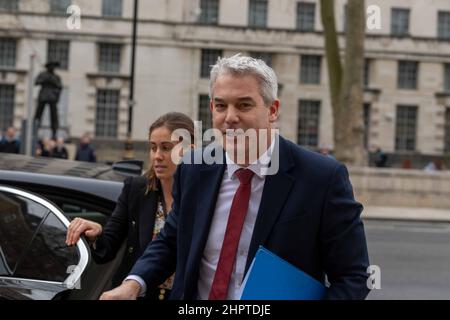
232,115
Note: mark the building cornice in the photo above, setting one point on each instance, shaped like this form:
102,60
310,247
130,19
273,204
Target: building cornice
194,35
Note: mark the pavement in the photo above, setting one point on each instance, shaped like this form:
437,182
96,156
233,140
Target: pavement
406,214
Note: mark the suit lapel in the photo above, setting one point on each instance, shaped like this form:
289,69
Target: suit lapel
208,190
275,193
147,213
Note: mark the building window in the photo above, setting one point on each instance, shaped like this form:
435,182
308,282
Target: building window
9,5
306,13
366,75
204,113
209,13
109,57
308,123
59,6
106,118
407,74
7,93
447,77
209,58
8,52
58,50
257,13
447,131
112,8
366,119
444,25
399,22
405,131
264,56
310,69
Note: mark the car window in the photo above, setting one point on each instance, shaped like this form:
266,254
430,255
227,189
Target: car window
19,220
73,211
75,204
48,257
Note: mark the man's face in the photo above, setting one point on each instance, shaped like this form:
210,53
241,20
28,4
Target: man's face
237,104
10,133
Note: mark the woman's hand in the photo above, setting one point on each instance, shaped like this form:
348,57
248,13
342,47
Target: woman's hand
128,290
78,227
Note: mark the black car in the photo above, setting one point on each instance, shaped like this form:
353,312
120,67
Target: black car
38,197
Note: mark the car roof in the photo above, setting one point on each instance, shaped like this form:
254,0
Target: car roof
90,178
17,162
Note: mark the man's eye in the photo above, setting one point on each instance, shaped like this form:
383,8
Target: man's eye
245,105
219,106
153,149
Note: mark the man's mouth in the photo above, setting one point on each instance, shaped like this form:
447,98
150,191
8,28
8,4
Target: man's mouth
233,133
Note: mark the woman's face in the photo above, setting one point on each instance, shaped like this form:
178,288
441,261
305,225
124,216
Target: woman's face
160,153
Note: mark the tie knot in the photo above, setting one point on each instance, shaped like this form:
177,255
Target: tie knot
244,175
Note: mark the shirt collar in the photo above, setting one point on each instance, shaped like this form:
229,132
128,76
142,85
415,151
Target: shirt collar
256,166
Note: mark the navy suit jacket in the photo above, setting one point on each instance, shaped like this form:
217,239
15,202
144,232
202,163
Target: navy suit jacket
307,216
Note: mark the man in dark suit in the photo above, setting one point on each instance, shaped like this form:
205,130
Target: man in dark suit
304,211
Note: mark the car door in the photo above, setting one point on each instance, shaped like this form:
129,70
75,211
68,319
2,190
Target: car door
35,262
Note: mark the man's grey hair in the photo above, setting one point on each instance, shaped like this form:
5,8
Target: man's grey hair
243,65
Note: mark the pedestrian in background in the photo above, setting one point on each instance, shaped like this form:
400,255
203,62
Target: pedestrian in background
9,142
85,151
381,158
45,147
60,151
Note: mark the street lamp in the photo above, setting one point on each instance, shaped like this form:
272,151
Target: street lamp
29,123
129,151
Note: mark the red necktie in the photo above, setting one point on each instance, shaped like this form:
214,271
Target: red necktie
239,207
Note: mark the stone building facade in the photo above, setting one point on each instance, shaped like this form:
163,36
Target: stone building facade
407,73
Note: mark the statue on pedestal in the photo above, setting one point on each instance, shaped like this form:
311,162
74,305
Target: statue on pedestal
51,87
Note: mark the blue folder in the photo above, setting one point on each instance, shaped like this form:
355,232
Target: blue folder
272,278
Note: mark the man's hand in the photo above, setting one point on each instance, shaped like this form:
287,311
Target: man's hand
128,290
79,226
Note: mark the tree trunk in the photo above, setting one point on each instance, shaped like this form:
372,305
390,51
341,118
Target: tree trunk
351,134
346,86
333,59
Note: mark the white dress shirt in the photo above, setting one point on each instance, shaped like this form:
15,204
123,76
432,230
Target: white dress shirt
211,253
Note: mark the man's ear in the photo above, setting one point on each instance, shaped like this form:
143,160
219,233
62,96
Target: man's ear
273,111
